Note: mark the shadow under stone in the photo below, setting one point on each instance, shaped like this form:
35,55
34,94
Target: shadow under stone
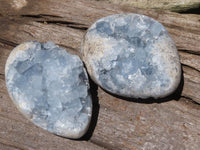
95,111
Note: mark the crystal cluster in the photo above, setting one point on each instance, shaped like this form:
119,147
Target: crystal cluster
50,87
131,55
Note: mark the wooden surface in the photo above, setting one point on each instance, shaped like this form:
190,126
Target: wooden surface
172,5
117,123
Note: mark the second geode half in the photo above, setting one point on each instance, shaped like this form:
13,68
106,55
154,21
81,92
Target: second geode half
50,87
131,55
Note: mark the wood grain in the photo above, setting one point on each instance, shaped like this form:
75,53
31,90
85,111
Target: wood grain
172,5
118,123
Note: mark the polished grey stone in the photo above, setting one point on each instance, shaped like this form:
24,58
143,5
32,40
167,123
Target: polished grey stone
131,55
50,87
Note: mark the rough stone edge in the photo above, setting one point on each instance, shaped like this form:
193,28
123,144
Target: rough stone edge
23,47
90,69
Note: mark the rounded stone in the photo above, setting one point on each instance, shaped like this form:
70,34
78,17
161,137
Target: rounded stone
131,55
50,87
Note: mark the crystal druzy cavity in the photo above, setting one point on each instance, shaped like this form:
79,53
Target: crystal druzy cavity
50,87
131,55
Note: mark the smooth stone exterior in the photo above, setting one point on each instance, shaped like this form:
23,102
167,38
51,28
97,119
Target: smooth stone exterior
131,55
50,87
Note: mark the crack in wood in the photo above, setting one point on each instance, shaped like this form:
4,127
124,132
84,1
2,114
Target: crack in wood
194,10
190,51
185,65
53,19
191,100
8,42
41,16
65,23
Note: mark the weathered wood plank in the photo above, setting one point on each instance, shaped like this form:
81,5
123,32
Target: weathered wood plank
172,5
183,28
29,29
122,123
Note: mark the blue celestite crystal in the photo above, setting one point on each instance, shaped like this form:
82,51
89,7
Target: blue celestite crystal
131,55
50,87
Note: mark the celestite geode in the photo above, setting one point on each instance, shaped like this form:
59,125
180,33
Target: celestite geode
50,87
131,55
